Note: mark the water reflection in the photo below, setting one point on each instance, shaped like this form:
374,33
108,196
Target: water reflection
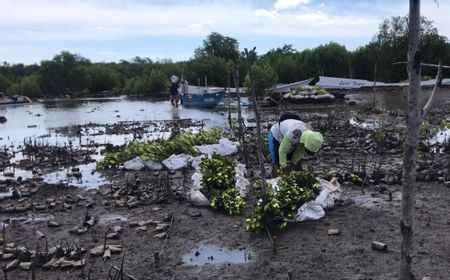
176,130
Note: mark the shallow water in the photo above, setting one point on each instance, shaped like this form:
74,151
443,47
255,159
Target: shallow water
38,123
212,254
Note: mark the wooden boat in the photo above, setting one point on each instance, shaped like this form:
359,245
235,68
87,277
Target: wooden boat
200,97
14,99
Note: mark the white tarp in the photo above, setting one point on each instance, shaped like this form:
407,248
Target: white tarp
134,164
138,164
175,162
314,210
224,148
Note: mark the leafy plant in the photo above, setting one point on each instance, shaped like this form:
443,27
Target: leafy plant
282,204
218,182
160,149
218,172
229,199
355,179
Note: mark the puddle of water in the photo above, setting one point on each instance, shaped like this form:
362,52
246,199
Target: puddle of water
364,125
9,193
441,137
112,218
90,179
28,219
368,201
212,254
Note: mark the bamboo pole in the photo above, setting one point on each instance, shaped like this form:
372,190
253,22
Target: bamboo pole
257,116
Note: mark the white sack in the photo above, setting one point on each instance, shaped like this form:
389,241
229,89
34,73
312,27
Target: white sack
134,164
309,211
224,148
175,162
153,165
196,198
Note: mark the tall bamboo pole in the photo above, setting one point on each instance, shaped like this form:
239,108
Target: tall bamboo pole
257,116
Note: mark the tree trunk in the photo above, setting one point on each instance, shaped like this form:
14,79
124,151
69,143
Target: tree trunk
258,119
414,119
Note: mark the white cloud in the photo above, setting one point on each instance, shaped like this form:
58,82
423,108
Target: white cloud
69,24
266,13
319,18
288,4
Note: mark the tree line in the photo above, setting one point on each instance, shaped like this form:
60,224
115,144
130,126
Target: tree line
217,59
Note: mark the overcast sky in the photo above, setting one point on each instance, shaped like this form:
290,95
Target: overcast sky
110,30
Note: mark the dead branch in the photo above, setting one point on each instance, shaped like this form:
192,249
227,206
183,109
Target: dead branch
436,89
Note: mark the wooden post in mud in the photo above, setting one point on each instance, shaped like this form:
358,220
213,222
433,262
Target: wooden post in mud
414,117
241,135
229,101
257,116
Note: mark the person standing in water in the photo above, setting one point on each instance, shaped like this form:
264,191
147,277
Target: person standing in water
174,94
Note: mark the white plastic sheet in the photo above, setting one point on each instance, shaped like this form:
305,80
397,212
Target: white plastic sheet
309,211
196,198
224,148
175,162
134,164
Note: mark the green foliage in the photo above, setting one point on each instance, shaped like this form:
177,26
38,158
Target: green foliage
215,68
4,83
157,81
103,78
159,150
355,179
218,172
229,200
220,46
281,205
426,129
28,86
265,77
219,176
445,124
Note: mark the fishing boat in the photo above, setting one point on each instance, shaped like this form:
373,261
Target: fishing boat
14,99
200,97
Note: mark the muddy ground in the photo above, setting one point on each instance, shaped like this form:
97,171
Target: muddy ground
168,241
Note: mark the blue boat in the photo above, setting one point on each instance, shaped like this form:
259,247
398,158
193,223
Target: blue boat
201,97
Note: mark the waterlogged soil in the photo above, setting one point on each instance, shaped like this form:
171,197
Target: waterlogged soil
162,236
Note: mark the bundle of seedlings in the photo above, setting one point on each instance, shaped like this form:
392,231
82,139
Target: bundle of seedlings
219,183
160,149
280,204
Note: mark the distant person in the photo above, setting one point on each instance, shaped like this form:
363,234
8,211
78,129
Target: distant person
289,140
174,94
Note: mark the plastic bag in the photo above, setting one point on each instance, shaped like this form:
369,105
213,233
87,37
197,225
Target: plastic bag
330,191
309,211
134,164
153,165
175,162
241,182
224,148
197,179
196,198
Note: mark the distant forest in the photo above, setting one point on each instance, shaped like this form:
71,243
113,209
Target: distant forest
218,58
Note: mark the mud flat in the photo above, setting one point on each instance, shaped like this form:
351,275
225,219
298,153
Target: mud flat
141,223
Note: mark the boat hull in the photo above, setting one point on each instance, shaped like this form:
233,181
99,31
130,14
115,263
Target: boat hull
205,100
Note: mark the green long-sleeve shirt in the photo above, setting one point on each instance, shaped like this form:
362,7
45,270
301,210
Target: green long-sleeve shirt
288,133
